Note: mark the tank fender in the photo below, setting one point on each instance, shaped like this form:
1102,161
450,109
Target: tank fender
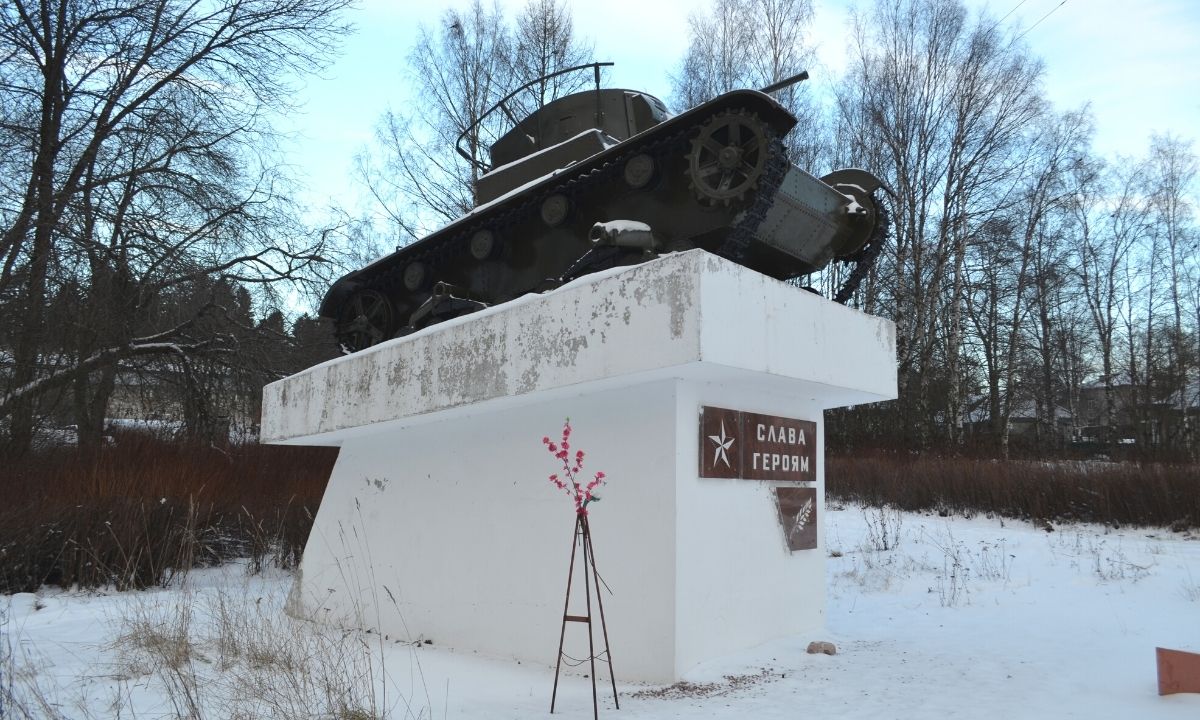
337,296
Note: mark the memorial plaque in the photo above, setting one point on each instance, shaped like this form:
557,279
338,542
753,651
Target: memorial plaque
798,516
778,448
752,446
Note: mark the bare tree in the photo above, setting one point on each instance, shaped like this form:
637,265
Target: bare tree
1007,287
1191,396
416,186
1109,217
1055,317
1171,173
134,125
779,49
463,73
941,102
718,57
546,43
415,176
1056,143
752,44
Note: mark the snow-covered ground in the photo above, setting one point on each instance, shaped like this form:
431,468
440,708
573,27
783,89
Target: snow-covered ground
974,618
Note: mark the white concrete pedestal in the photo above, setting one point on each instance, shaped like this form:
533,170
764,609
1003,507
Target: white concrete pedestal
439,521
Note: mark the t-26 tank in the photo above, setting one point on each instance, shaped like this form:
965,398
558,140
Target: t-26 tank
608,177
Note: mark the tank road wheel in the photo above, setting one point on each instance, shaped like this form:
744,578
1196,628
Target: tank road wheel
639,171
364,321
728,156
416,274
555,209
483,245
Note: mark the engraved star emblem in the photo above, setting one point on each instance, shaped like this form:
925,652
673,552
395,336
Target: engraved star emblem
723,443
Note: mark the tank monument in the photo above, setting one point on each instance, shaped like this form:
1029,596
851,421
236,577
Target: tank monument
624,268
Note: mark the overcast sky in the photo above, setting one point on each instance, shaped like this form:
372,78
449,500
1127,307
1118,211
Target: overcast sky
1137,63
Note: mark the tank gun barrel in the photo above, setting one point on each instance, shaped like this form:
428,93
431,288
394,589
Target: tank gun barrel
786,82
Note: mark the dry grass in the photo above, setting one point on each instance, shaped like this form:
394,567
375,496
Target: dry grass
135,514
1157,495
234,654
216,652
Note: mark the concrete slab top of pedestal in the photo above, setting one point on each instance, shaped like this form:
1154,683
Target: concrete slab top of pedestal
690,315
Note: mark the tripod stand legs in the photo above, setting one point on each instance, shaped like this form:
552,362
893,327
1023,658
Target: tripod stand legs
583,536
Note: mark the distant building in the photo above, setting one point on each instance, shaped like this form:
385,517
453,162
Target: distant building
1022,421
1136,419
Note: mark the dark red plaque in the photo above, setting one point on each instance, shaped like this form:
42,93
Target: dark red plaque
720,443
752,446
778,448
798,516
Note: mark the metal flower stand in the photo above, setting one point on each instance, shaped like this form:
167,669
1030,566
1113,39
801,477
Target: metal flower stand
583,537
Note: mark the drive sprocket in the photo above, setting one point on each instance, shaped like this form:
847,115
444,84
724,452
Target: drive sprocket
728,156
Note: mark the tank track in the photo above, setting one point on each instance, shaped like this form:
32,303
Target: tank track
734,246
737,243
498,221
865,258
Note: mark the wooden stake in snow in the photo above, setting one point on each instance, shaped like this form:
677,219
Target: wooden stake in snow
1178,671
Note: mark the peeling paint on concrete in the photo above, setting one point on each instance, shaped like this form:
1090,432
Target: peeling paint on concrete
676,311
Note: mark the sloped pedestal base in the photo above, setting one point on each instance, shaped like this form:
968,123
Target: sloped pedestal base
439,522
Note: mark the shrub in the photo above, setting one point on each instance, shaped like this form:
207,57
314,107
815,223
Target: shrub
134,514
1159,495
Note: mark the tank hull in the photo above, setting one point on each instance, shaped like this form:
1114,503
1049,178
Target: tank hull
752,207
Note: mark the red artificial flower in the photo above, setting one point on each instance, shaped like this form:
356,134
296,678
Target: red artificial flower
568,481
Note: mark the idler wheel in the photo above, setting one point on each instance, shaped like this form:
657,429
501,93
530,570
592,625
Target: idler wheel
862,211
729,154
366,319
